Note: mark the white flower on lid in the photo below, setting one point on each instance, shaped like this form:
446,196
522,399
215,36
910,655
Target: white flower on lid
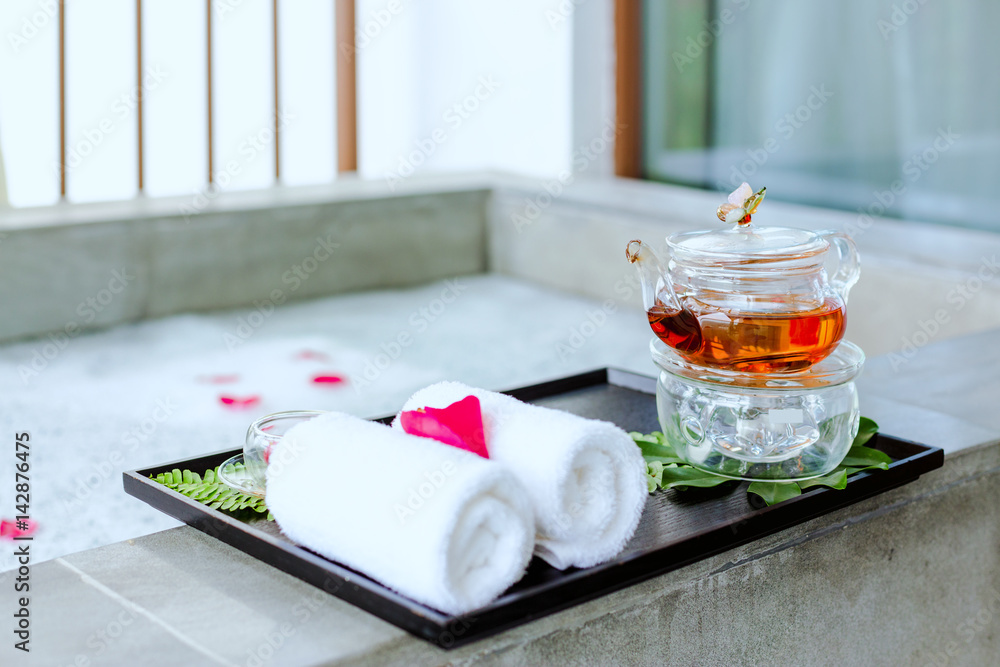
743,203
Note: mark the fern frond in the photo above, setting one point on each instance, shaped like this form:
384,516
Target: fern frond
209,490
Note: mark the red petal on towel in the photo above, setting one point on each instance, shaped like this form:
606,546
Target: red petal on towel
218,379
239,403
9,529
459,425
313,354
328,379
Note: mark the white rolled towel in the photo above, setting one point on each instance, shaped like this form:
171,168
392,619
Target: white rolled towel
586,478
435,523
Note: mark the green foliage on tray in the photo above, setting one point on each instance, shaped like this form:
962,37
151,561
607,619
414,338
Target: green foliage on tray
666,470
211,491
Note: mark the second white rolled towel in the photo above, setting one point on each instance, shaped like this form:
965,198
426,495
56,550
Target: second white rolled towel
586,478
438,524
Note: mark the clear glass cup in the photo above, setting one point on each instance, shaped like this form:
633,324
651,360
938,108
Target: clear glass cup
760,426
262,435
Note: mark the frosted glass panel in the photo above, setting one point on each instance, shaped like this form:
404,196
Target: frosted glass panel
101,100
243,100
855,104
306,70
29,101
176,127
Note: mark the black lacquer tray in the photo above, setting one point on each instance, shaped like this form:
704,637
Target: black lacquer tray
677,528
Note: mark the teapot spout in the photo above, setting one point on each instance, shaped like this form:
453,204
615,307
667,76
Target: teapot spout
656,286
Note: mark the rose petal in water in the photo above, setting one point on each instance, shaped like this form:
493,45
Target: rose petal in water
328,379
239,403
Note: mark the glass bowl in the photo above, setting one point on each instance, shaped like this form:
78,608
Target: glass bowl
263,434
760,426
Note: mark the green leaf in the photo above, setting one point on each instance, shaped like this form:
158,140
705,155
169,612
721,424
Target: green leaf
862,457
866,429
851,471
835,480
655,447
774,492
685,476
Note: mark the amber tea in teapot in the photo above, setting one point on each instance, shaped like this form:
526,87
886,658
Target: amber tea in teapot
750,342
748,299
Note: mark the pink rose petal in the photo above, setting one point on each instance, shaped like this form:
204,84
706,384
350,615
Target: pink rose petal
9,529
312,354
239,403
459,425
218,379
328,379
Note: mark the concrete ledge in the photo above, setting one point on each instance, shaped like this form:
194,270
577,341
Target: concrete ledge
66,278
905,577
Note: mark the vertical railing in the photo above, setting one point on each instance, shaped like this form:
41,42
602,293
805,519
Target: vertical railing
62,100
628,91
277,124
345,82
138,81
208,61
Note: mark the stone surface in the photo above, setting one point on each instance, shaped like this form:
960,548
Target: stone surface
902,578
909,577
76,622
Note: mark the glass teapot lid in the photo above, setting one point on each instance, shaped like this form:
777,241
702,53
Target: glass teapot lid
747,242
743,242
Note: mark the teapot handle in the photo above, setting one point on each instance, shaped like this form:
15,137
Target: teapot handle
850,262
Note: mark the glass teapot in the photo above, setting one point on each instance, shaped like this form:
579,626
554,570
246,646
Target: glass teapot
748,299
